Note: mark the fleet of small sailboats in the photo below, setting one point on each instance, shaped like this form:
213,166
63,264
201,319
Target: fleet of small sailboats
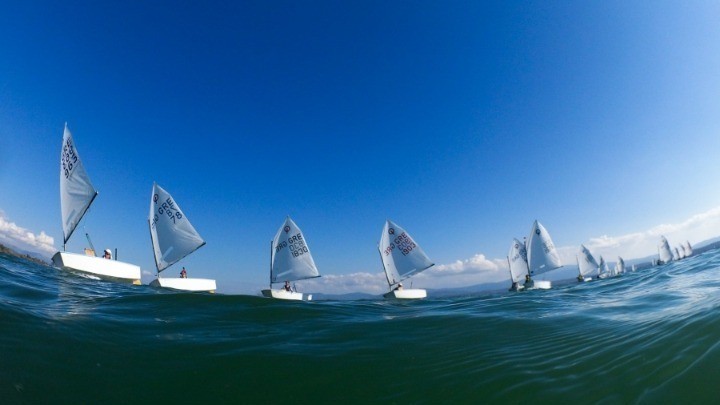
401,258
173,237
76,195
290,260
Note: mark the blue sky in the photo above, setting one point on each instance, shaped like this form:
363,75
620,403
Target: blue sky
461,121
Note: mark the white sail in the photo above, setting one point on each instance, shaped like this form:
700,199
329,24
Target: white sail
620,266
603,270
76,191
173,236
587,265
665,253
517,260
401,256
291,259
688,248
542,255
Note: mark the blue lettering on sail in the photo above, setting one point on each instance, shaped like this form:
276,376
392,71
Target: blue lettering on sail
404,243
69,158
296,243
167,209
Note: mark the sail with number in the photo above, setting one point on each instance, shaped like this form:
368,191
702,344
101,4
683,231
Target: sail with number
401,256
173,236
542,255
290,258
664,250
76,191
517,260
587,266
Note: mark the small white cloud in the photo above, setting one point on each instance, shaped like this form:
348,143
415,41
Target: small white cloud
22,239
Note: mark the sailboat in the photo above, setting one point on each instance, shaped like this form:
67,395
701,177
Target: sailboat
173,237
603,270
76,195
290,260
587,266
688,249
619,266
401,258
664,251
517,263
542,255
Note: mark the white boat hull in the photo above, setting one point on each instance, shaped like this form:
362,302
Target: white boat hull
286,295
97,266
406,294
185,284
538,285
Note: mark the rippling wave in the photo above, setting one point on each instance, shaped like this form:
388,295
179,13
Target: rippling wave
649,336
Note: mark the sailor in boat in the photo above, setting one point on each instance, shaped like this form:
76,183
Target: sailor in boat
183,273
287,286
528,281
107,254
399,287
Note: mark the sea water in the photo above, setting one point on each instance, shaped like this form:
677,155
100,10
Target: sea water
649,336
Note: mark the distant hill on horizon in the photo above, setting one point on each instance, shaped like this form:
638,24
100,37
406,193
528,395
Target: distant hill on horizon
22,254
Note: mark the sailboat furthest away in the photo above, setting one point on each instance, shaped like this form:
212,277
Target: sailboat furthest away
173,237
542,256
290,260
76,196
401,258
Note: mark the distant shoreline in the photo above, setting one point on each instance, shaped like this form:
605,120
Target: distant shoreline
9,251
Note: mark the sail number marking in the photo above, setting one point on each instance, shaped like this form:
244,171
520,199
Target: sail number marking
296,243
69,158
168,209
403,242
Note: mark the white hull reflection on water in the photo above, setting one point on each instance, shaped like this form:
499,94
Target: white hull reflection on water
649,336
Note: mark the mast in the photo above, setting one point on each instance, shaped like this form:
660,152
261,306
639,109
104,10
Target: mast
577,259
387,276
157,269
